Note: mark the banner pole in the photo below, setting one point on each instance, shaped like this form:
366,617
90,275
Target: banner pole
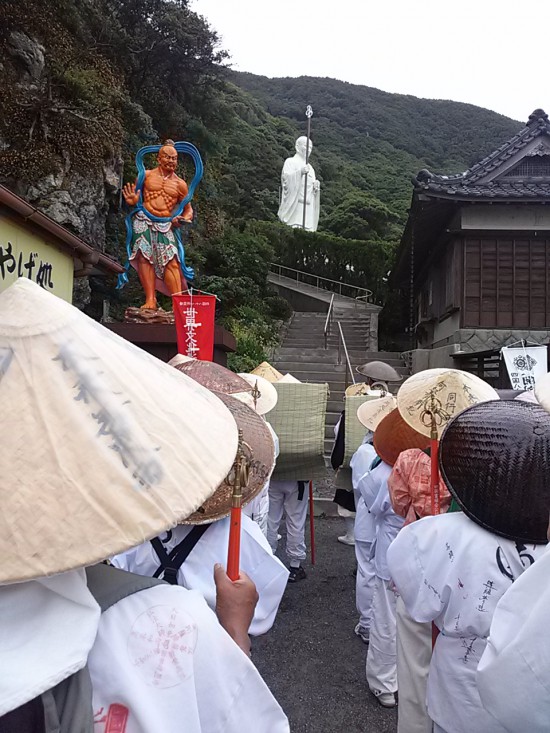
311,524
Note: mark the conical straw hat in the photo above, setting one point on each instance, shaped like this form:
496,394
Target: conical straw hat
103,445
371,413
259,452
268,372
446,392
379,371
213,376
393,435
360,388
268,396
494,458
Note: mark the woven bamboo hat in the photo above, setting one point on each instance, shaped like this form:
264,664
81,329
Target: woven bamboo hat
394,435
103,445
371,413
264,393
494,459
268,372
211,375
379,371
259,452
445,392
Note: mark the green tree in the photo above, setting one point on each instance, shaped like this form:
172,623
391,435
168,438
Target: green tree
361,216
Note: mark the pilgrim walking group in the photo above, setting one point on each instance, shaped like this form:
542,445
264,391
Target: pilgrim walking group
118,477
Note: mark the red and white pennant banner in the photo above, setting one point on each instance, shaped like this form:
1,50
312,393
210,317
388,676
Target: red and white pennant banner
194,318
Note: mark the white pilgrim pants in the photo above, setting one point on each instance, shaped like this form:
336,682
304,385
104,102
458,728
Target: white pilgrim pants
382,655
364,584
258,509
283,497
414,653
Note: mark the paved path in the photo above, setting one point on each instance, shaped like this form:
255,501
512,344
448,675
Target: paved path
311,659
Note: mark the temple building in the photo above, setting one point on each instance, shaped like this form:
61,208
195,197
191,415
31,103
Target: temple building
475,253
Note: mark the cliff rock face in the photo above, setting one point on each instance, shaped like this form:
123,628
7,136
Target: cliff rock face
80,202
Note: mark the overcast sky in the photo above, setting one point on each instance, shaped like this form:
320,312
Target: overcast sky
492,53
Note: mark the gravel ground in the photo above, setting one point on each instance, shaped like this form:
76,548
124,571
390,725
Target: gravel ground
311,659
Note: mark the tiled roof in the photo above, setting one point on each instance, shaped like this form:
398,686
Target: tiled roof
468,185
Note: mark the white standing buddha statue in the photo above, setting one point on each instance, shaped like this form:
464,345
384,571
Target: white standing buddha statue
295,186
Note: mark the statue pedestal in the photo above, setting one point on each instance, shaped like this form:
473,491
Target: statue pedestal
146,315
159,339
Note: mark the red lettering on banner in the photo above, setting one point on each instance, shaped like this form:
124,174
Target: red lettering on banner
194,318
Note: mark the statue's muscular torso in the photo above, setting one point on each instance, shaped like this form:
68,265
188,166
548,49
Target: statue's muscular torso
161,195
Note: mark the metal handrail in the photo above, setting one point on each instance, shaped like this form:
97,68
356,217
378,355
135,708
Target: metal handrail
328,322
366,293
348,363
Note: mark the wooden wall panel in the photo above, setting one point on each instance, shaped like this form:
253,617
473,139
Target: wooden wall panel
506,283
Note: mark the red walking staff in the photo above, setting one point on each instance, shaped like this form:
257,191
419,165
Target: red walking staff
240,479
311,524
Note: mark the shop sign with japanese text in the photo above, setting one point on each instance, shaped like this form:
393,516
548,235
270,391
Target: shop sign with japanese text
24,254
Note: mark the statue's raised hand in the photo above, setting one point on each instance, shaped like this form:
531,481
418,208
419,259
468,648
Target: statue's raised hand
131,196
306,170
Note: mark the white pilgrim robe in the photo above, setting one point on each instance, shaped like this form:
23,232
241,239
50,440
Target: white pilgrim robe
197,572
258,508
513,676
162,662
382,653
375,493
451,571
361,461
365,532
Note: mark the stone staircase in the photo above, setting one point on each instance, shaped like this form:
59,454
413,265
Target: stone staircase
303,354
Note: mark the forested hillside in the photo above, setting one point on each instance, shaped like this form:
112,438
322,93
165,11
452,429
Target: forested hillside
372,141
85,83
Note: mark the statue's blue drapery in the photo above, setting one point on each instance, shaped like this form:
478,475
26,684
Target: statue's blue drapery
181,147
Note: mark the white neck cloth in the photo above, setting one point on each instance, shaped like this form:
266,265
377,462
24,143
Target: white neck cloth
47,628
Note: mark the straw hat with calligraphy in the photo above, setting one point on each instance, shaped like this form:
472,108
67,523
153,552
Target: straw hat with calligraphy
211,375
394,435
494,459
371,413
268,372
259,453
104,446
264,393
362,388
442,393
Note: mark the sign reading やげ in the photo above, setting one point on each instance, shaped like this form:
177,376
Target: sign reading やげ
194,317
25,254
